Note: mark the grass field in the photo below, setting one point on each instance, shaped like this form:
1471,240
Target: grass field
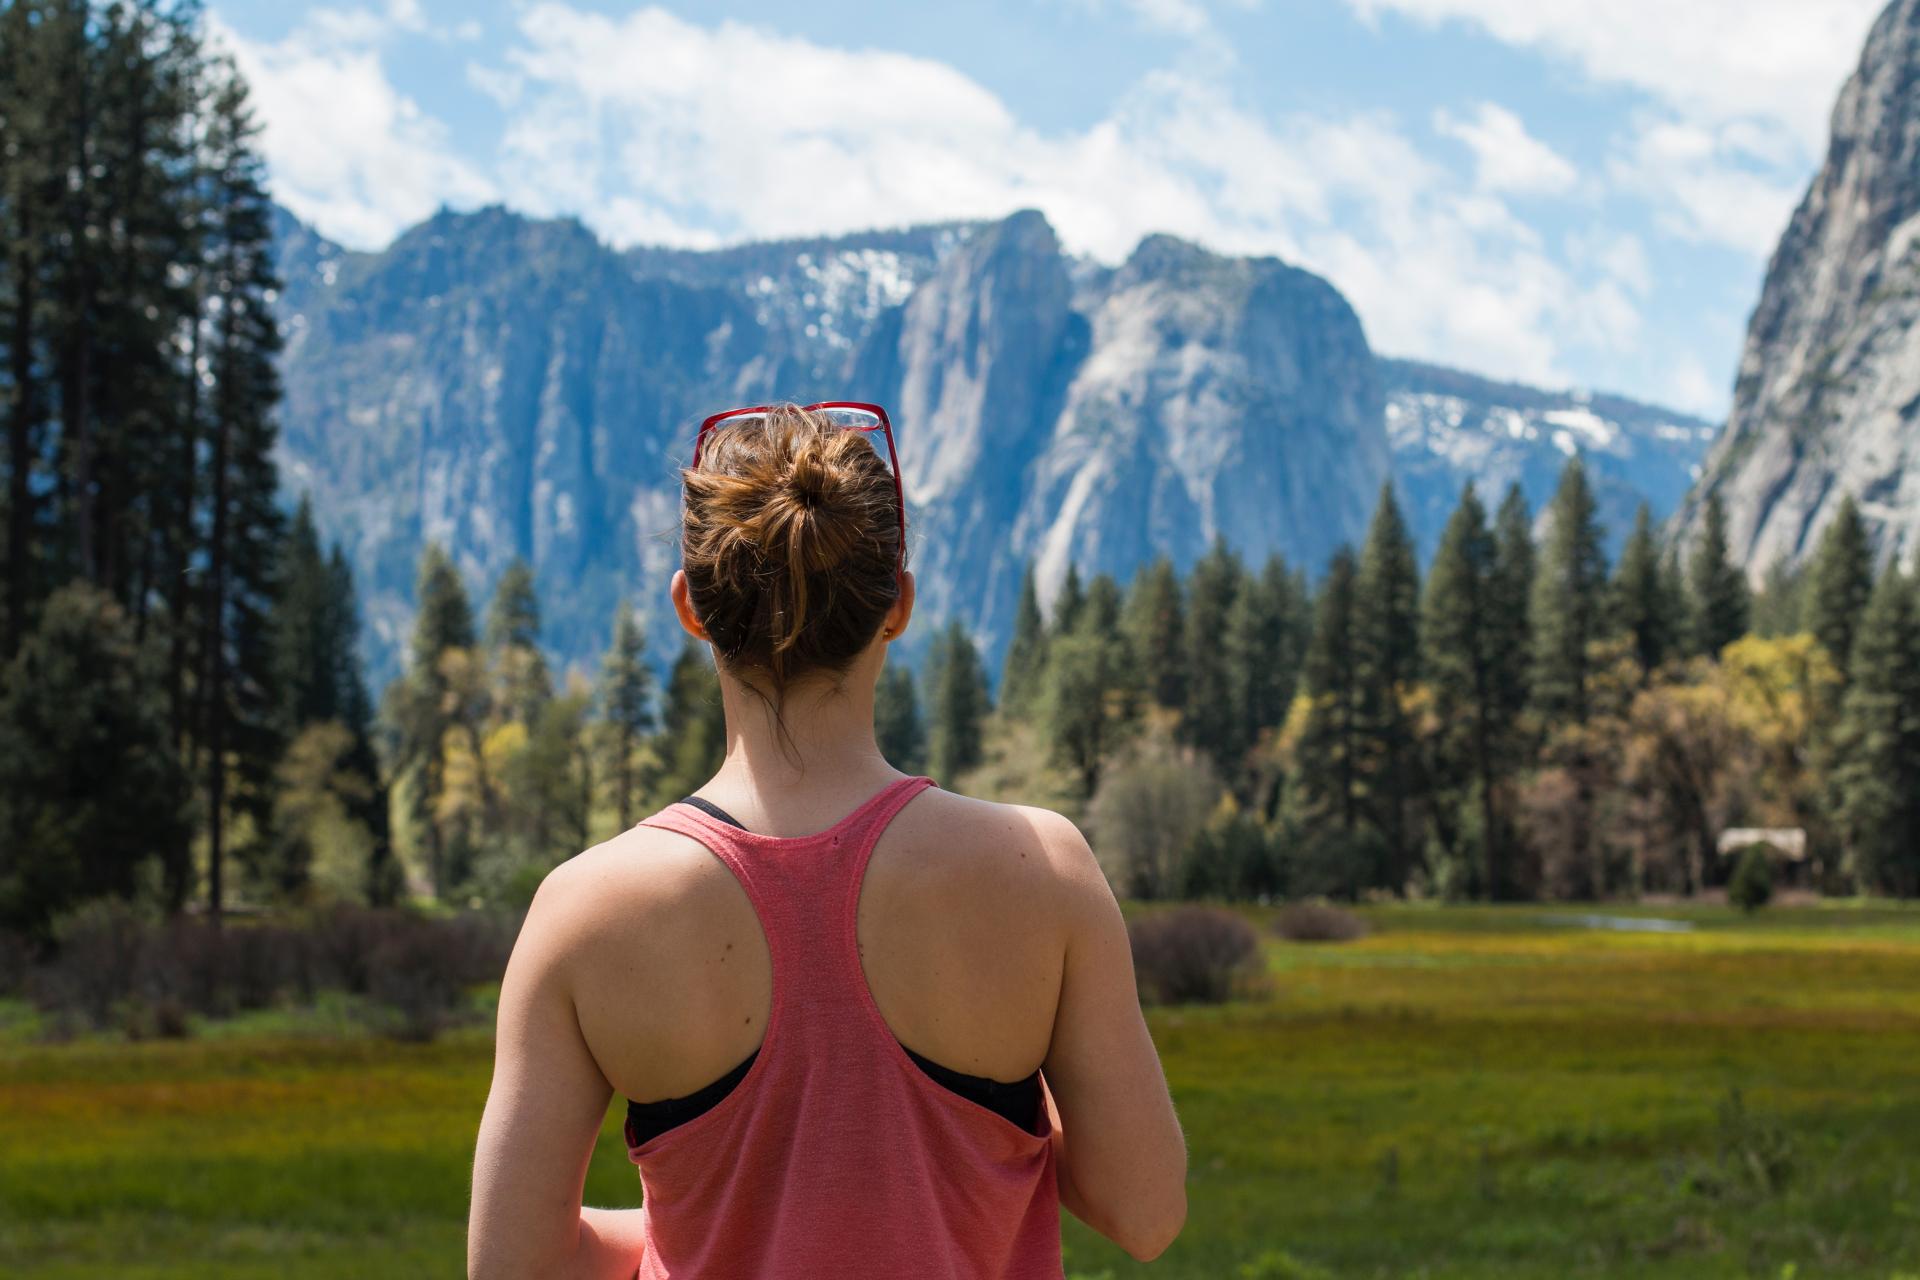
1467,1092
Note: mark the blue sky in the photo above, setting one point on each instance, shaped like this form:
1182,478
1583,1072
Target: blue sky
1573,192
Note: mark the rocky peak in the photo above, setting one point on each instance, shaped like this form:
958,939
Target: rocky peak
1828,397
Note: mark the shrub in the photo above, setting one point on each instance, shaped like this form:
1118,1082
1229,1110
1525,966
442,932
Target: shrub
16,962
1145,816
103,949
1318,922
1192,954
1752,885
419,974
420,969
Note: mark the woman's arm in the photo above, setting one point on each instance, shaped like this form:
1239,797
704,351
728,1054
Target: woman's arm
542,1118
1121,1157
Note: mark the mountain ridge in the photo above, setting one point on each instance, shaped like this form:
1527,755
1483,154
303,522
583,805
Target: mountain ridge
513,387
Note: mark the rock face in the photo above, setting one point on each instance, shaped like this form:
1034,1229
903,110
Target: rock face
1828,397
512,387
1448,427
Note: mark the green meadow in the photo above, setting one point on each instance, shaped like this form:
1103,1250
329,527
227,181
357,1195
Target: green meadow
1467,1092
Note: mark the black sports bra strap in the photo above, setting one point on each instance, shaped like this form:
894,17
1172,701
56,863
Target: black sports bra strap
713,810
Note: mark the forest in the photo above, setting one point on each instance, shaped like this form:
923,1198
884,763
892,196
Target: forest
185,723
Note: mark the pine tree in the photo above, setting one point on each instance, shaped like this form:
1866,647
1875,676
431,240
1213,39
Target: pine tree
1460,638
1155,626
1092,690
307,630
1567,609
1067,605
898,729
1512,595
1781,606
1842,583
1262,660
1024,670
1324,790
1640,603
239,727
693,723
316,626
626,706
513,641
1211,721
90,785
1720,603
419,701
1387,637
959,705
444,616
1878,743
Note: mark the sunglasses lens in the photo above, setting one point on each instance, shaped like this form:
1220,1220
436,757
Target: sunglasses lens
853,419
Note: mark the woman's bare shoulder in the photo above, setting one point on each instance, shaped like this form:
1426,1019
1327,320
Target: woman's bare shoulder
642,880
1039,839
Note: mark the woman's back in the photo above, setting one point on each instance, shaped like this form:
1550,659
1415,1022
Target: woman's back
828,990
836,1153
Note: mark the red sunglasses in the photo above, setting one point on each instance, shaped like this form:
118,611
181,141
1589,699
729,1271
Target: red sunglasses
850,415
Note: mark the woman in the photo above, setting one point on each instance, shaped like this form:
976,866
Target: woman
866,1027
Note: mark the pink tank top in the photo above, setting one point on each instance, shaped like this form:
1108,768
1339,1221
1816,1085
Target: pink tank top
794,1175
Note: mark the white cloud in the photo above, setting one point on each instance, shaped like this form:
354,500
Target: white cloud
347,151
1703,189
1506,157
1740,92
1778,61
661,130
1187,18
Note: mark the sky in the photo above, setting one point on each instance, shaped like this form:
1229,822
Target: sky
1564,192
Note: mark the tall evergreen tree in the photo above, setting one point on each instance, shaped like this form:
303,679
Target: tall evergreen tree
959,705
316,630
1025,666
1387,637
1878,743
1155,625
1324,790
1461,637
419,703
626,707
239,727
1067,605
1567,609
513,640
1211,721
1262,657
1720,603
898,728
1640,599
1780,607
1511,592
693,722
1841,585
1092,690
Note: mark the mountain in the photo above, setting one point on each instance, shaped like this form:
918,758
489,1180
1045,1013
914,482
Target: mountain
1828,397
1448,427
512,388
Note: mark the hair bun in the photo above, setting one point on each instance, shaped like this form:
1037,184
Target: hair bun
810,478
791,543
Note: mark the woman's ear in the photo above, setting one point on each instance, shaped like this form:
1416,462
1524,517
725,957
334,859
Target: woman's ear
683,606
901,611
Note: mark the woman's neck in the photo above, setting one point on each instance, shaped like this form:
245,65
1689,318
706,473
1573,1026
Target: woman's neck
829,734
